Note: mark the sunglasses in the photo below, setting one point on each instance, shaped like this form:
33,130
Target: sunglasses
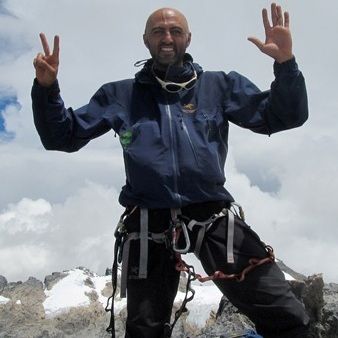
174,87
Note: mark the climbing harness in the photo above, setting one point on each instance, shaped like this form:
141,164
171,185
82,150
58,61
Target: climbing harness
121,255
178,229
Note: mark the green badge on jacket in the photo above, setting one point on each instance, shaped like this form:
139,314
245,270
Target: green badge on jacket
125,138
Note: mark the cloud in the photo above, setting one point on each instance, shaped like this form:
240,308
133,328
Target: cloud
38,237
26,216
8,104
35,173
22,260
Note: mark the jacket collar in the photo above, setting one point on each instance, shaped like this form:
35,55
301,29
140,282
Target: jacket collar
178,74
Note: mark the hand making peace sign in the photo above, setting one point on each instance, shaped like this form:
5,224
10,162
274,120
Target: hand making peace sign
47,64
278,41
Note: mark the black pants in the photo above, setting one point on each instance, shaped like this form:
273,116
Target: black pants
264,296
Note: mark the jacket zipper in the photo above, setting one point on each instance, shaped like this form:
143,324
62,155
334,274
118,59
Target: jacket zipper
173,153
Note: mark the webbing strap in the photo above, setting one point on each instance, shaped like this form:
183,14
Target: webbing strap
143,243
199,241
210,220
156,237
230,240
204,227
125,263
174,212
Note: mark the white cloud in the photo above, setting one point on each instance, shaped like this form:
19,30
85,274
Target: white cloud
19,261
53,176
38,237
26,216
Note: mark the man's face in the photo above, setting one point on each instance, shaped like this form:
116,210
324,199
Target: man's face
167,36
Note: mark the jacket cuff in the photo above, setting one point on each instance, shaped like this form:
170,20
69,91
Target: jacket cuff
52,91
287,67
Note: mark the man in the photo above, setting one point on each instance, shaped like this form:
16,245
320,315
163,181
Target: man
172,120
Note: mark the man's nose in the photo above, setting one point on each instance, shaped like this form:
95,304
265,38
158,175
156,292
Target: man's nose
167,37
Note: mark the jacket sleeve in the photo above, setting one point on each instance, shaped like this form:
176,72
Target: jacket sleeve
62,129
282,107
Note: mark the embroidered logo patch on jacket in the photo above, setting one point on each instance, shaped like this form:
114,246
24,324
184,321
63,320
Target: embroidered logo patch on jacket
126,138
189,108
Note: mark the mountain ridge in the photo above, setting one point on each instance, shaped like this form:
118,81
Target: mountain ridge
71,304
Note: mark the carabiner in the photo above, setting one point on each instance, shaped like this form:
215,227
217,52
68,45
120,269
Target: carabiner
182,225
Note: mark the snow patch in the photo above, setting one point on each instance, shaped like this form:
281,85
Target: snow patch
287,276
206,299
4,300
99,284
68,292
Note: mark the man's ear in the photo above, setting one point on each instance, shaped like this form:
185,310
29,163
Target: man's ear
189,40
145,41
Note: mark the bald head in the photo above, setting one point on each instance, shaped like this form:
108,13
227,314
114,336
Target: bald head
167,36
164,14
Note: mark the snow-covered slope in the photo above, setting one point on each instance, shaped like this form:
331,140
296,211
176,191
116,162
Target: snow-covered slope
79,285
76,288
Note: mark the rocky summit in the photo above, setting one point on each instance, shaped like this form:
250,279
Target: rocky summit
72,304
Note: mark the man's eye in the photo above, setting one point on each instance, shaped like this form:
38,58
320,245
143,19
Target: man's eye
176,32
157,31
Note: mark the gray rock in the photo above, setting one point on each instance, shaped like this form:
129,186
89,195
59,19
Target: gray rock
52,279
11,286
314,297
88,282
3,283
34,283
228,321
330,310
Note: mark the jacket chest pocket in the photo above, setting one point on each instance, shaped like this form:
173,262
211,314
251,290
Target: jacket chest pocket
207,124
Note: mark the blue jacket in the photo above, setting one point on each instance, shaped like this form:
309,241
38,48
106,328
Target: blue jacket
174,145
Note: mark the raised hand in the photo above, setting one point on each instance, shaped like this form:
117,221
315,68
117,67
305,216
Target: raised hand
46,65
278,41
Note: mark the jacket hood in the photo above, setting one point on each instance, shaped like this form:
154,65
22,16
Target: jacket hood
174,73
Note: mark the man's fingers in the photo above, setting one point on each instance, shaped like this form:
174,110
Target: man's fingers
44,44
39,62
266,22
286,19
274,15
256,42
56,47
279,15
37,59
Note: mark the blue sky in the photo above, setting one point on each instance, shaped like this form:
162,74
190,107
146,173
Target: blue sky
5,102
49,201
3,9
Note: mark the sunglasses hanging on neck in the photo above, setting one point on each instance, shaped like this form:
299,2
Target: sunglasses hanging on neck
175,87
